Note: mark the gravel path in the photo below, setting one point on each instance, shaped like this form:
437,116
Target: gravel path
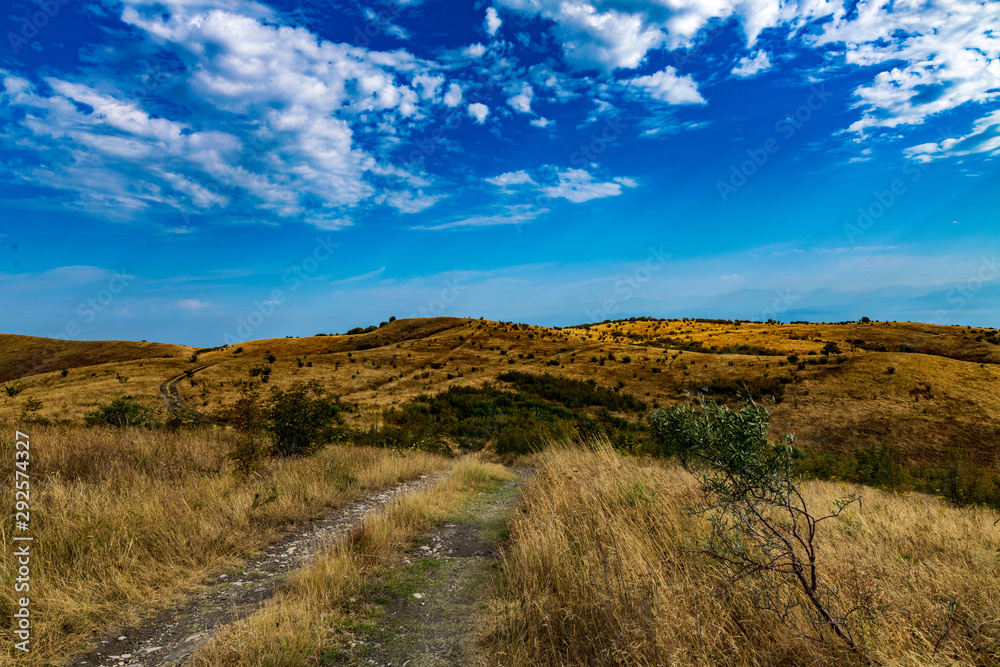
170,637
431,618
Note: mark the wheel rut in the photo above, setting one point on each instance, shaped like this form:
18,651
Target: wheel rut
427,612
172,635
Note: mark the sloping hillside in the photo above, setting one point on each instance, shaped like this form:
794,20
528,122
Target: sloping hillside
923,389
22,356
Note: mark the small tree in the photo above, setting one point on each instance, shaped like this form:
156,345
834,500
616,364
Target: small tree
761,526
247,417
300,420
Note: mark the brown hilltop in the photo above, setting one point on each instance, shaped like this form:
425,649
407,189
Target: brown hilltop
924,389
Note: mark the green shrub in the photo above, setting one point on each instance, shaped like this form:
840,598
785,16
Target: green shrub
299,420
122,411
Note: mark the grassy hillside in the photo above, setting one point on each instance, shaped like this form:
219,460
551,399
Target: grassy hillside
22,356
924,389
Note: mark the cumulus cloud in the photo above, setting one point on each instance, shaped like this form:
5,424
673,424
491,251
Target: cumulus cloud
751,65
279,114
493,21
454,95
511,178
948,53
578,186
522,101
479,111
666,86
541,122
984,138
474,51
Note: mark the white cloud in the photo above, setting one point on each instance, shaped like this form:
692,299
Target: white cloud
280,112
948,53
514,215
541,122
753,64
666,86
511,178
522,101
579,186
193,304
984,138
454,95
479,111
493,21
428,85
410,202
474,51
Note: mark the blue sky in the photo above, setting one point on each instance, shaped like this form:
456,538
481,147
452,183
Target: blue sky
208,171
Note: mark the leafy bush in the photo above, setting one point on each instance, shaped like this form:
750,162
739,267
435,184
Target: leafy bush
754,388
299,420
122,411
572,393
296,421
515,422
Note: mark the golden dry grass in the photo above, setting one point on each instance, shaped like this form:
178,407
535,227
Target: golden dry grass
836,407
598,572
126,520
305,617
29,355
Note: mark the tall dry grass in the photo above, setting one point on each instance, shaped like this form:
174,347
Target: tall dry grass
307,618
128,519
599,571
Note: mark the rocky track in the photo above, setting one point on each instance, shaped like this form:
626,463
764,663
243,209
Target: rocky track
171,636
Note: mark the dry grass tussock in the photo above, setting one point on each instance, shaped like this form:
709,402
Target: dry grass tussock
126,519
305,622
600,571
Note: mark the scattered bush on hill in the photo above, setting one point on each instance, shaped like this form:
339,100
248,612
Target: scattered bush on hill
122,411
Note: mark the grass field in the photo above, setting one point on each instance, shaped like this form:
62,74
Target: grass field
938,395
597,571
602,569
130,519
